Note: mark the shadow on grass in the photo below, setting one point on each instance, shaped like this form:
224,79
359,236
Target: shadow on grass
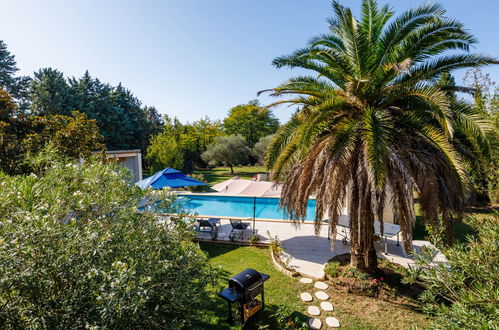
263,319
214,248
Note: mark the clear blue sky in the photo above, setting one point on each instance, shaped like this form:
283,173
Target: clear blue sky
190,58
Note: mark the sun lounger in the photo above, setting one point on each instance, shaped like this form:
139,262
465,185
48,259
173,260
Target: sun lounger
238,226
210,223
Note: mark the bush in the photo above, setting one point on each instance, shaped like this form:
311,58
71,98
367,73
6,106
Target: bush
275,244
332,269
287,319
75,252
254,239
199,177
464,294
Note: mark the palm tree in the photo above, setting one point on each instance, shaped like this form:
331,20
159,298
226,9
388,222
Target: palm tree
373,118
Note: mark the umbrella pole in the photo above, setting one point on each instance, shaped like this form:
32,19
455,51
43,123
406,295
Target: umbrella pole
254,214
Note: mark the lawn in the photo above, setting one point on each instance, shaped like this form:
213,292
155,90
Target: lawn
353,311
219,174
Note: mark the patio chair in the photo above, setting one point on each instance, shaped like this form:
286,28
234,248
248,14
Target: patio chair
210,223
238,226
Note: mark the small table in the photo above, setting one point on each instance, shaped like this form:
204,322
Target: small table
389,230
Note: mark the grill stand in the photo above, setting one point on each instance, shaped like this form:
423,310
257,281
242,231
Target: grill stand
232,297
244,295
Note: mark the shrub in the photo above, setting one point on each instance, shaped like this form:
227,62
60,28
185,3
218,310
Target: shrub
464,294
332,269
76,252
199,177
275,244
287,319
254,239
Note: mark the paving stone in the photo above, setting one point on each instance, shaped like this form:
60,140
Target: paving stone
314,323
305,280
326,306
321,285
305,296
332,322
314,310
322,295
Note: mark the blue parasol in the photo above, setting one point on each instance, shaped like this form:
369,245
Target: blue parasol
169,177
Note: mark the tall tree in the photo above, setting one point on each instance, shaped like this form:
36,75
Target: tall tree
14,85
372,118
123,121
49,93
14,126
250,121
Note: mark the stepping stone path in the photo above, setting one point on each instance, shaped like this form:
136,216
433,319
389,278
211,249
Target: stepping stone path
321,285
314,310
306,297
314,323
322,295
327,306
332,322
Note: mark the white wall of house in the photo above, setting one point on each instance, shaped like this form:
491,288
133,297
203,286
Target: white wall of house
388,214
131,159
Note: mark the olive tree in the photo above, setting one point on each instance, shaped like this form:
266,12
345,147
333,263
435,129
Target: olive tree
227,150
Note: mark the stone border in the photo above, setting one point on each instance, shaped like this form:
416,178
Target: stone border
285,271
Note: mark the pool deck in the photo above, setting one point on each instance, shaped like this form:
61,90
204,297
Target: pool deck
307,252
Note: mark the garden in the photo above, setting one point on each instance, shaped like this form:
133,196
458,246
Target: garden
378,121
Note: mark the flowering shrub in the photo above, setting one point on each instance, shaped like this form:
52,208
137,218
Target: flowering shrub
332,269
76,252
463,294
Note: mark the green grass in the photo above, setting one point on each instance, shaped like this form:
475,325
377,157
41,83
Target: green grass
232,259
219,174
461,228
353,311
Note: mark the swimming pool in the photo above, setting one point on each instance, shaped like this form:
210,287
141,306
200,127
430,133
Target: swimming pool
236,206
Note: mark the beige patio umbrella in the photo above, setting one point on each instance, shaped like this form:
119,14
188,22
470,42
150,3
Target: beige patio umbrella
250,188
232,186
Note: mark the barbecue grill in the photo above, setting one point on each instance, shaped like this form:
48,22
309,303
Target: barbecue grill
243,289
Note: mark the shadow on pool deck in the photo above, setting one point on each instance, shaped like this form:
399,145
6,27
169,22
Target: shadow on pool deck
308,253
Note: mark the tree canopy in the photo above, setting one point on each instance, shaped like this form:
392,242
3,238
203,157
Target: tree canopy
180,145
16,86
75,136
123,121
227,150
250,121
372,118
260,149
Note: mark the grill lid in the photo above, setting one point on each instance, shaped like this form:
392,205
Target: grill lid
245,279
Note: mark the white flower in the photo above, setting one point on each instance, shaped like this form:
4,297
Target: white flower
77,193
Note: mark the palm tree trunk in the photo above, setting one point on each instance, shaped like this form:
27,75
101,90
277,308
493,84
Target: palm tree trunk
364,258
363,254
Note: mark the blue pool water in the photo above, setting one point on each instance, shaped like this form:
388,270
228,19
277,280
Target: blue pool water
229,206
